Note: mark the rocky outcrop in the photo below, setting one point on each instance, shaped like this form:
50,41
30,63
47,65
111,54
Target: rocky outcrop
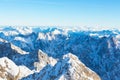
10,71
68,68
11,48
44,60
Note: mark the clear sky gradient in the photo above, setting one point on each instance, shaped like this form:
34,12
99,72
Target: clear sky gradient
105,13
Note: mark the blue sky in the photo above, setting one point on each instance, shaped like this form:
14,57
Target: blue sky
105,13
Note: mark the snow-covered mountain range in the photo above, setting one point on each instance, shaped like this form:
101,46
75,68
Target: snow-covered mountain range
42,53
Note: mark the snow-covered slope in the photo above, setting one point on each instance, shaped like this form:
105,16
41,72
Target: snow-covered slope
41,49
10,71
68,68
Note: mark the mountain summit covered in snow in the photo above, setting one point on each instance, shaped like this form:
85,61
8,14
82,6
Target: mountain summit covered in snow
42,53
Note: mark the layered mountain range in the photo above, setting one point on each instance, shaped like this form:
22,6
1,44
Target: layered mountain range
48,53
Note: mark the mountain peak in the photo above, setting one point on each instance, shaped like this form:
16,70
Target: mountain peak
63,52
68,68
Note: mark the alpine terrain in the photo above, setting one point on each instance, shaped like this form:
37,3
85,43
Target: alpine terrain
49,53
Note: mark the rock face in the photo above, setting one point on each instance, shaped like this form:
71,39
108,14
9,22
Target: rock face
10,71
77,70
68,68
42,50
44,60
